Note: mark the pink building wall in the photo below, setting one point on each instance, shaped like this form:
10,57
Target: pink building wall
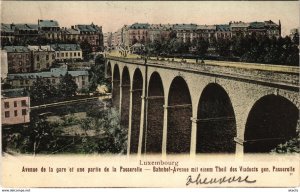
15,112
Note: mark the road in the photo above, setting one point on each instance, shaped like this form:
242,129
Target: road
107,96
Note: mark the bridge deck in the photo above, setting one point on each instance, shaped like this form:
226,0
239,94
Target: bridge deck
287,76
244,65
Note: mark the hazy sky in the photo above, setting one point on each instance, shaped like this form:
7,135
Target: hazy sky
113,15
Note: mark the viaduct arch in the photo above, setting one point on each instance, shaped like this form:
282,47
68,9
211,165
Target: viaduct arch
171,110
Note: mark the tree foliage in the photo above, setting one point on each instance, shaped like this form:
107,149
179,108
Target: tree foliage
67,86
43,90
97,73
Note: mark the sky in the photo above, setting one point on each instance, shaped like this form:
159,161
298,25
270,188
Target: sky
113,15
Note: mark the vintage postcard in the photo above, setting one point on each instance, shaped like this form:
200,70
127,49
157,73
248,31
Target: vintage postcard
186,94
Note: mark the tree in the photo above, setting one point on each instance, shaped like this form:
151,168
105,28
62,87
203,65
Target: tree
201,46
42,89
223,47
97,73
67,86
86,49
40,136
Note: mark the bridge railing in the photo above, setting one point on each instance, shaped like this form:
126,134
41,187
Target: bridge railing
282,75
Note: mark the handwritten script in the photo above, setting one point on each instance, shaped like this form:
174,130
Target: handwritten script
220,180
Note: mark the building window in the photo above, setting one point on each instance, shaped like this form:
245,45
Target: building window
37,57
20,63
21,82
6,114
67,55
71,54
53,56
6,105
53,80
47,57
62,54
57,54
24,112
74,54
15,104
23,103
16,113
20,56
26,82
78,54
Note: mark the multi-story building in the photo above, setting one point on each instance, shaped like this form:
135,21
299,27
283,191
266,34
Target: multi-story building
268,28
273,29
117,38
7,34
89,33
49,29
4,65
18,59
26,80
15,107
125,36
239,28
67,52
222,32
294,33
26,32
107,40
42,57
206,32
48,25
138,33
185,32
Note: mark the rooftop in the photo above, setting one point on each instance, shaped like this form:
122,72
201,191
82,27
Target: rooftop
206,27
140,26
47,23
40,48
66,47
11,93
54,72
223,27
185,26
7,28
88,28
26,26
14,49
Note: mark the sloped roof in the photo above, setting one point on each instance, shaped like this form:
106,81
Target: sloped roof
223,27
48,23
72,31
140,26
239,24
7,28
88,28
55,72
26,26
12,93
14,49
40,48
206,27
257,25
66,47
185,26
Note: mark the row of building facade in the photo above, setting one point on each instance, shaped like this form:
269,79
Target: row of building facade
32,58
50,30
26,80
145,32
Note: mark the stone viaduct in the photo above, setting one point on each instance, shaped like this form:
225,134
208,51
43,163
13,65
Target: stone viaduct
179,107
